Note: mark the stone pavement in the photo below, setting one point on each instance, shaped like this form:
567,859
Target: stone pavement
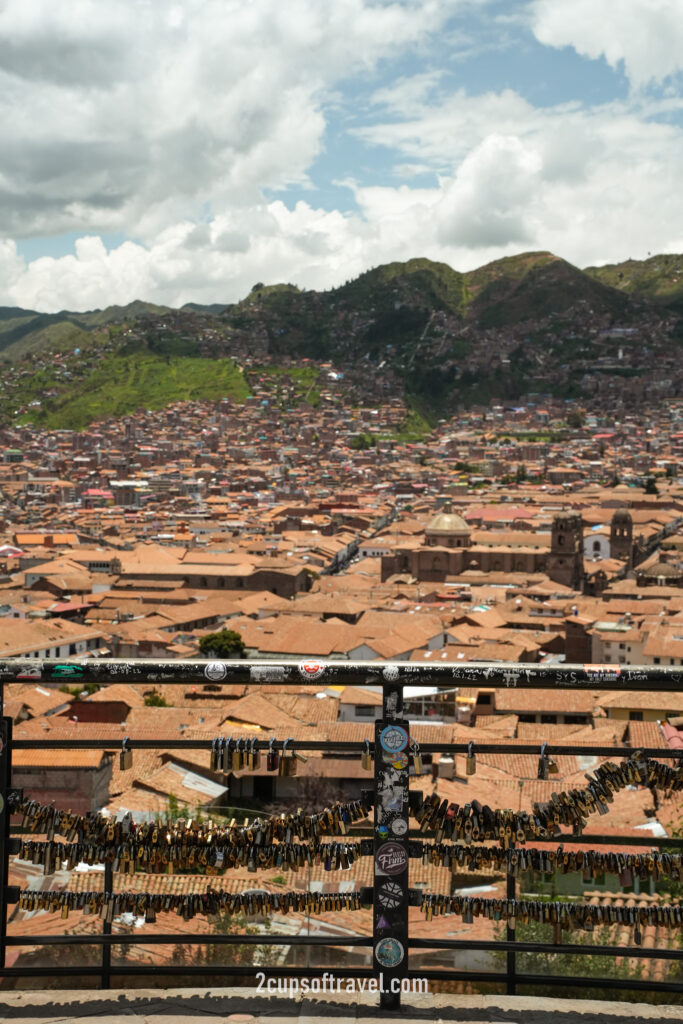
245,1006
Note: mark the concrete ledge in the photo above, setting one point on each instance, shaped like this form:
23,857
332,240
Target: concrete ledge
246,1006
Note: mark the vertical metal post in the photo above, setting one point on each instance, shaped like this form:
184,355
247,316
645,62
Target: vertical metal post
105,977
5,782
511,894
390,910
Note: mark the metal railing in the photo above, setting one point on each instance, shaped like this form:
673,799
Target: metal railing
391,941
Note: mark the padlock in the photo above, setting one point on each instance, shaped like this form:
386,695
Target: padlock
543,764
290,758
227,755
366,757
272,757
126,756
417,757
287,764
471,760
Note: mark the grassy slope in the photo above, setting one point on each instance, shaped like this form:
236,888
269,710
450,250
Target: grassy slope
124,384
659,279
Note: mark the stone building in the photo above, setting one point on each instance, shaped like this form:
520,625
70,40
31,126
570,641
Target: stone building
565,562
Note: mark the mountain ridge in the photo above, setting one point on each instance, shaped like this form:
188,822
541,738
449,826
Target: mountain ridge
442,338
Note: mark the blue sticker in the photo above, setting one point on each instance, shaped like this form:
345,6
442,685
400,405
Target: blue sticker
389,952
393,739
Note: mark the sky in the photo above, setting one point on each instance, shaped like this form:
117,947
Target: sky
178,152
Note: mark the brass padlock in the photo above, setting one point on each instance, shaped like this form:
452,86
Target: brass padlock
366,757
417,757
126,756
471,760
237,756
227,755
287,760
543,764
254,756
272,757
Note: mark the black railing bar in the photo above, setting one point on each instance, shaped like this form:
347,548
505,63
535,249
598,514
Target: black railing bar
176,939
192,970
488,675
549,947
175,743
564,839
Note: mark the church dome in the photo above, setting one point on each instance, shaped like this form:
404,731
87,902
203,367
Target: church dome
447,523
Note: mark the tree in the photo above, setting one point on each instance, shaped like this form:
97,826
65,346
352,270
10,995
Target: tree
155,700
226,643
651,486
232,954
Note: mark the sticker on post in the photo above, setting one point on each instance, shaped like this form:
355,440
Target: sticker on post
603,673
390,895
391,859
389,952
215,671
398,761
393,739
311,669
399,827
267,673
390,673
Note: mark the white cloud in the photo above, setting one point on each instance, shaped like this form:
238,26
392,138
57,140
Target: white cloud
168,123
647,35
131,116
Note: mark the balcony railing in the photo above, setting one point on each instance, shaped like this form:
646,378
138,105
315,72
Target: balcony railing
389,840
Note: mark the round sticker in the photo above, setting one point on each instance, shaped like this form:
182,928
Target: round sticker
383,832
391,859
390,673
215,671
393,739
399,827
310,669
390,895
399,761
389,952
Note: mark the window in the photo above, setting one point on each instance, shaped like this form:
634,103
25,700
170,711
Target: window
635,716
656,660
549,719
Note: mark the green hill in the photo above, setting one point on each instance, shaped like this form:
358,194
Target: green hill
658,279
536,285
123,384
431,329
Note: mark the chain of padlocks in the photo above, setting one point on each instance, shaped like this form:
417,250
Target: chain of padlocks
269,842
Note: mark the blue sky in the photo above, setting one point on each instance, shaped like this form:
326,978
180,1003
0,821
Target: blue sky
181,151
